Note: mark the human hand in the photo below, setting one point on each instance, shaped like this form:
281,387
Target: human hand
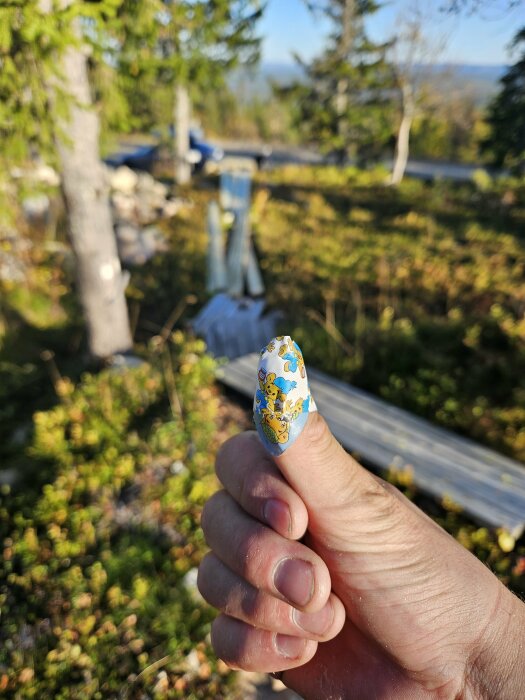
411,613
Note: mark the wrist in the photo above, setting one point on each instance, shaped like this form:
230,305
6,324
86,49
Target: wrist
497,669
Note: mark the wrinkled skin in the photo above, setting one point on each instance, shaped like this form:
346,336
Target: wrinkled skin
375,601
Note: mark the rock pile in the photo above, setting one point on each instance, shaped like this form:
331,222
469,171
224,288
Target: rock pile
137,202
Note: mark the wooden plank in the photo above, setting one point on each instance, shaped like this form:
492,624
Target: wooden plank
488,486
217,277
237,254
254,280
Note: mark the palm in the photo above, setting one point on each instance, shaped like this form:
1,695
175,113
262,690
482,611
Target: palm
392,608
368,673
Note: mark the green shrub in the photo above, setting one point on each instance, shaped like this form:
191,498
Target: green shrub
95,598
415,294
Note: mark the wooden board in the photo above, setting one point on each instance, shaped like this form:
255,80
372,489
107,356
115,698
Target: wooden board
486,485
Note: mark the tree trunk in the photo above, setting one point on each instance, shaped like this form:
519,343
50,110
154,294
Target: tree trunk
182,113
99,276
403,136
343,84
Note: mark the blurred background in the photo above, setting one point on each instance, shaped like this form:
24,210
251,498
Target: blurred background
380,154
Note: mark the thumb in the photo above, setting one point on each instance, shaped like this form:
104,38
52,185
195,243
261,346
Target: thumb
330,482
333,486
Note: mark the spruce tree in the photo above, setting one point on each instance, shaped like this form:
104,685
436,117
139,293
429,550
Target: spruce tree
344,104
506,117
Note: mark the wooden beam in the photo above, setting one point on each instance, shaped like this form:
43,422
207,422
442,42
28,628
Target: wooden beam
486,485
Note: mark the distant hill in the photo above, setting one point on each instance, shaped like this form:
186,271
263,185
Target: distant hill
482,82
479,81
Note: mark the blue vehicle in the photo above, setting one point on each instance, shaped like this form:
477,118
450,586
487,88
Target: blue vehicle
208,152
142,157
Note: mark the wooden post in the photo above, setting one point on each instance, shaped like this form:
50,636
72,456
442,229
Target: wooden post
226,191
238,189
238,254
254,280
242,261
217,277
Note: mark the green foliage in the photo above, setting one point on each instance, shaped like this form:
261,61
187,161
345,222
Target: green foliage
94,596
193,42
506,117
447,126
31,39
137,50
416,296
343,105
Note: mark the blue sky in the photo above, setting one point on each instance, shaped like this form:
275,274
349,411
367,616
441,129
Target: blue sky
480,40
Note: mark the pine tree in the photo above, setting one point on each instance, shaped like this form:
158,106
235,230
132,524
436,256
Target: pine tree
506,116
344,104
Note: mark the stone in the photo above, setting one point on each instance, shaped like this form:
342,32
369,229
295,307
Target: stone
171,208
36,209
124,179
153,239
41,173
147,183
124,206
126,233
46,175
178,467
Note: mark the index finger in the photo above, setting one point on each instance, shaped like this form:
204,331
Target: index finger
250,476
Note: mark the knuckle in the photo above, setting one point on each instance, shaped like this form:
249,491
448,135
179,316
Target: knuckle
318,435
256,560
205,575
239,601
249,486
228,454
210,512
227,645
255,608
223,458
316,428
384,500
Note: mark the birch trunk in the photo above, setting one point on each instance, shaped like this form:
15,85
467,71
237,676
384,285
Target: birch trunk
403,136
99,277
182,115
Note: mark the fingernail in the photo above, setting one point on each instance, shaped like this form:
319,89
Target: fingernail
277,514
282,400
315,623
294,579
291,647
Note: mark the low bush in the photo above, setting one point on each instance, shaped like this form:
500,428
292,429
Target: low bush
98,589
415,293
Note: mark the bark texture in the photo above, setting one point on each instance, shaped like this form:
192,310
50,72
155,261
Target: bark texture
99,276
182,115
343,84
